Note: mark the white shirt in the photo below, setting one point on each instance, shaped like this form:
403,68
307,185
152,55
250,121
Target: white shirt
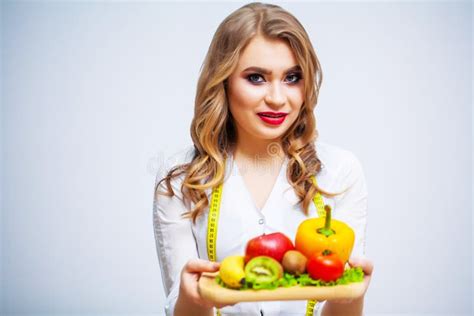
178,240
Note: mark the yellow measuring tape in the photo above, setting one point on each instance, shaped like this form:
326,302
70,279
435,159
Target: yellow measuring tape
212,223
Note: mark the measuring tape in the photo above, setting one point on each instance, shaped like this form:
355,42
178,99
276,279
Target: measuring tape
318,201
212,223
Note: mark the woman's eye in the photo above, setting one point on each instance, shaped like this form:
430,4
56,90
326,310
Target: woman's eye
253,78
294,78
291,78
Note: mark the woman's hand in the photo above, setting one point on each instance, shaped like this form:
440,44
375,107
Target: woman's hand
367,266
188,290
351,307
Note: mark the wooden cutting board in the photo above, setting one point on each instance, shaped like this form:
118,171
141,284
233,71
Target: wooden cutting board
212,291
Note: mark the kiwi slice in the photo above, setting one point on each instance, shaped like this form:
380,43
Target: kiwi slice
263,270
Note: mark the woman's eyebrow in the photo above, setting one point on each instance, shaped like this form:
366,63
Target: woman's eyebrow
269,72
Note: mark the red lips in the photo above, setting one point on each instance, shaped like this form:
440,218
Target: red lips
272,118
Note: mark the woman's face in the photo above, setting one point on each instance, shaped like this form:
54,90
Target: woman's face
265,91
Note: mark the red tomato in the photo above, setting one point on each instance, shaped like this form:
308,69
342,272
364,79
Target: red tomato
273,245
325,265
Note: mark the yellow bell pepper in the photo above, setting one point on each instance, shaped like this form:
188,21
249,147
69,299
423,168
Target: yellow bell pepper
319,234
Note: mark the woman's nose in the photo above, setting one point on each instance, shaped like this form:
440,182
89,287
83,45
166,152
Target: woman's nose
275,95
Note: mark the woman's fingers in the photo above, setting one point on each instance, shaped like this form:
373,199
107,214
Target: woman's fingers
199,265
190,276
366,265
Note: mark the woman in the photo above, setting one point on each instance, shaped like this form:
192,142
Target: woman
254,135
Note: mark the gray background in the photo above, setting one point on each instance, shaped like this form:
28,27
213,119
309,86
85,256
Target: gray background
96,95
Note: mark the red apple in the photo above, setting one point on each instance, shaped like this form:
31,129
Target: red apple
273,245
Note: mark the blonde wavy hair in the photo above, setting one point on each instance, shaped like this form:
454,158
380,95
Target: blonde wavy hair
212,128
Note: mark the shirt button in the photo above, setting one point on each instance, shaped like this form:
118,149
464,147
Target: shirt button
261,221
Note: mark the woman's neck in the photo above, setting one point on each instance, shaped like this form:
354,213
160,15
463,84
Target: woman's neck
258,152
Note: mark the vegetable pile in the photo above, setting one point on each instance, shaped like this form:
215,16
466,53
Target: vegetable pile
317,258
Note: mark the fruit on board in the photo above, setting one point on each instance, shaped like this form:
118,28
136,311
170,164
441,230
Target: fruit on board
325,265
294,262
263,270
272,245
318,234
232,271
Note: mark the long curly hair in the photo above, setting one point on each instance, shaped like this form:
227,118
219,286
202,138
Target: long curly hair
212,129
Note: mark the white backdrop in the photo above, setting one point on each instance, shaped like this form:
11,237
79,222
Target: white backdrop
96,95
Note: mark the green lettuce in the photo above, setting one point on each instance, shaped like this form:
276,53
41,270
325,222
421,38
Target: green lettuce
351,275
